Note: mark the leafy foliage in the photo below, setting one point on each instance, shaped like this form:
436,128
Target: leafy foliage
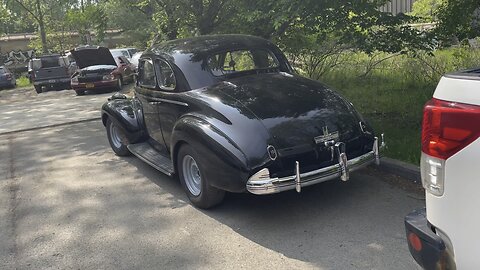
459,19
427,10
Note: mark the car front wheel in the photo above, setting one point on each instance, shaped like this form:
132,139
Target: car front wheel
38,89
192,176
117,139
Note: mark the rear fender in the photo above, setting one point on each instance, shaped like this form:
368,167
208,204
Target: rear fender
226,164
127,114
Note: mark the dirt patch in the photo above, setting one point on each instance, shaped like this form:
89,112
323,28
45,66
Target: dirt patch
416,190
16,94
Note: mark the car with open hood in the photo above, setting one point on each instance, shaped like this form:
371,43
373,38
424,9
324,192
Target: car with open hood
98,69
227,113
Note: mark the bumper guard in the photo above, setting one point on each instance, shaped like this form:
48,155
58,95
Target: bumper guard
260,183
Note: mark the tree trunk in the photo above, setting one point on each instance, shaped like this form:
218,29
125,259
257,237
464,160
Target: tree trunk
41,26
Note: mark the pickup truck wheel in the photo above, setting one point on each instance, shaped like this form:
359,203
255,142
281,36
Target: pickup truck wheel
38,89
192,177
80,92
117,139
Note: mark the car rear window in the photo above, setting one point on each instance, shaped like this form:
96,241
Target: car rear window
48,62
230,62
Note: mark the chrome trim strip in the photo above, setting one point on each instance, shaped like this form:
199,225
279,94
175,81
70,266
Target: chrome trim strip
169,101
174,102
298,185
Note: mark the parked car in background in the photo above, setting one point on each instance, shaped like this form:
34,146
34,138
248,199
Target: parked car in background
49,72
228,113
444,235
98,69
7,78
127,52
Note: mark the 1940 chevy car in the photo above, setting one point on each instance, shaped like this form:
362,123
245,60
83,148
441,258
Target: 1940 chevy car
228,113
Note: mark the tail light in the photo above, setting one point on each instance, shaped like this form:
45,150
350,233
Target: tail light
447,128
8,76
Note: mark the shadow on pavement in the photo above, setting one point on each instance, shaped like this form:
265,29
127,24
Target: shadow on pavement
80,206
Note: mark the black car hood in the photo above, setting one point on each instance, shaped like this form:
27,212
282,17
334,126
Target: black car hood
92,56
293,109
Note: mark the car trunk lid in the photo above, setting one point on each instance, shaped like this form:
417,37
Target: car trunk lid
301,115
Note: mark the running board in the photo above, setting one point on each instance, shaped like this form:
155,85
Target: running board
152,157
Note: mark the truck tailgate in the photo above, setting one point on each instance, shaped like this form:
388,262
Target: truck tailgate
460,88
51,73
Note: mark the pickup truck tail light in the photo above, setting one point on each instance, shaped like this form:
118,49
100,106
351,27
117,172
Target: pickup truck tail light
447,128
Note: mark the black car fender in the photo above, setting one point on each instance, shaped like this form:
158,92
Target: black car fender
227,167
127,115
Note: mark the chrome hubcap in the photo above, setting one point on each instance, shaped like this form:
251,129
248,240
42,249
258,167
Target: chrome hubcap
191,175
115,135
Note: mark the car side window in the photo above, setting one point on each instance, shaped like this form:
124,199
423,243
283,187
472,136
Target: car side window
166,78
146,74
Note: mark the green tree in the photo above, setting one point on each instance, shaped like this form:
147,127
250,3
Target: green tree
85,18
458,19
426,10
36,9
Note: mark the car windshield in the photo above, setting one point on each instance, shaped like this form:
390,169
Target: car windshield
118,53
230,62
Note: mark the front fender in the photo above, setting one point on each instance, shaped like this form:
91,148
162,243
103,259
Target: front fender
227,166
128,115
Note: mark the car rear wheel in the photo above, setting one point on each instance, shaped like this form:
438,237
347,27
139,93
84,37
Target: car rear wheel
38,89
117,139
80,92
192,176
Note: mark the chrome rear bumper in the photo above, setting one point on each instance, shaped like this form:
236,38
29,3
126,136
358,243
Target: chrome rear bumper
261,183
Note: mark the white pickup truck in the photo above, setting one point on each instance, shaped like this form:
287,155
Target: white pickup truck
446,235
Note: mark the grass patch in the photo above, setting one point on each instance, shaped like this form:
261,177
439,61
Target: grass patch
23,82
392,95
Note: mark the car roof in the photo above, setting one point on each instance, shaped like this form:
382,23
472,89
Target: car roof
122,49
205,45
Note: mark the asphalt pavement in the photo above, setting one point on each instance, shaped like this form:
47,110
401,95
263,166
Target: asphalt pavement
69,203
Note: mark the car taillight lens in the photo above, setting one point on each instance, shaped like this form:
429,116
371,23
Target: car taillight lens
448,127
432,170
8,76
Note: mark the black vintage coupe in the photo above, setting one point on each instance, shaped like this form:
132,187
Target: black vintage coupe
228,113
